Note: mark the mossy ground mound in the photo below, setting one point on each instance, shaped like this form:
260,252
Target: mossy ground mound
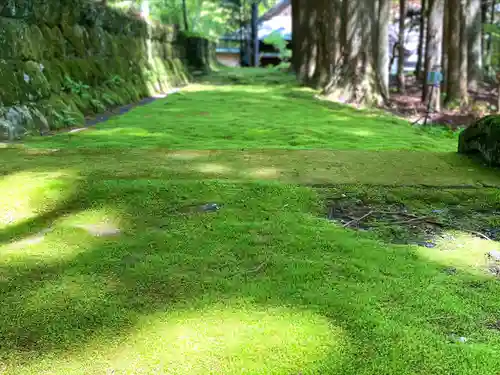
109,262
482,137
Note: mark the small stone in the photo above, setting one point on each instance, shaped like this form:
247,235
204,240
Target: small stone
210,207
495,325
494,270
494,255
493,233
99,230
429,245
450,270
448,237
458,340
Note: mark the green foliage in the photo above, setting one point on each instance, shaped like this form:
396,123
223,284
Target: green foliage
205,18
108,99
114,81
75,87
66,118
493,31
97,105
276,40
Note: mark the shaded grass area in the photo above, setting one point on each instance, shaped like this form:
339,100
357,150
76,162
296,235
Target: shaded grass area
463,223
265,285
307,167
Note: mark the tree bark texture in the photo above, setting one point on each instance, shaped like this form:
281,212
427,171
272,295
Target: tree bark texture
464,50
185,15
384,13
475,54
434,49
296,35
328,35
454,27
446,43
305,43
401,49
489,44
357,80
421,39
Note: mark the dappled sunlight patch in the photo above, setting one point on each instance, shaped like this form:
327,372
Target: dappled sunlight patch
134,132
46,247
68,236
462,250
198,87
264,172
212,168
96,222
362,132
40,151
187,154
100,230
26,195
229,340
26,242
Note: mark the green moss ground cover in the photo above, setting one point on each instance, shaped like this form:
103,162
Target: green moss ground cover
107,265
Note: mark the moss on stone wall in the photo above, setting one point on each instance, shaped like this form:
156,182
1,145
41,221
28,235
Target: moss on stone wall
199,52
63,59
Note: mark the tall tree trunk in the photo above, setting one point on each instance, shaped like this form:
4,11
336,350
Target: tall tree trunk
358,78
475,56
382,41
328,41
296,35
311,44
421,38
185,15
433,52
454,27
401,41
305,44
446,43
489,44
255,34
464,37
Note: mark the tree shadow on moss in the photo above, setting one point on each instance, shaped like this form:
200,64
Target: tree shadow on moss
256,248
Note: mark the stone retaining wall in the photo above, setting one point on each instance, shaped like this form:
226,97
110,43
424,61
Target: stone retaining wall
63,59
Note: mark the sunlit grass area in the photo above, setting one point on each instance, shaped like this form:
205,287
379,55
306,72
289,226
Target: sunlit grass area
253,116
109,264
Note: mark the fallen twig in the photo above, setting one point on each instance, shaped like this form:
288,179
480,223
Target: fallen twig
422,218
438,318
430,221
479,234
358,220
258,268
395,213
246,272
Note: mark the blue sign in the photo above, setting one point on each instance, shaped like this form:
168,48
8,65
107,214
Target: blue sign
434,78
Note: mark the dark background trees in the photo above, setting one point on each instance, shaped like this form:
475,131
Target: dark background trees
342,47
